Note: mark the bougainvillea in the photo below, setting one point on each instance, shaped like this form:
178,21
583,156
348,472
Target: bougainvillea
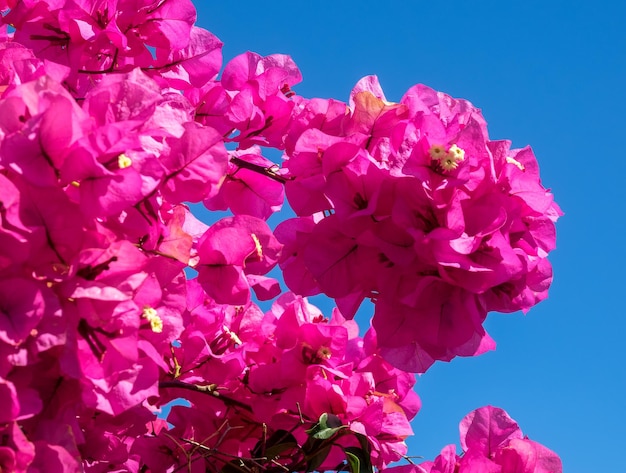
492,442
113,119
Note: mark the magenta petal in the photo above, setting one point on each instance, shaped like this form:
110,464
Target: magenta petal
225,283
195,165
411,358
194,65
527,456
16,452
447,461
486,428
474,462
53,459
128,97
8,401
265,288
22,306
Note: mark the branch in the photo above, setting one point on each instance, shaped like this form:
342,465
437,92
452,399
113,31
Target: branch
210,389
265,171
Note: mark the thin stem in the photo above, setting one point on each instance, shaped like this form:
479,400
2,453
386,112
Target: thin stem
210,389
265,171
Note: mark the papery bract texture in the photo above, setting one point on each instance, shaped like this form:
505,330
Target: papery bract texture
411,205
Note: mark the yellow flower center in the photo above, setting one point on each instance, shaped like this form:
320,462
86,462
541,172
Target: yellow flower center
457,153
437,152
516,163
257,246
324,353
124,161
233,336
448,160
156,323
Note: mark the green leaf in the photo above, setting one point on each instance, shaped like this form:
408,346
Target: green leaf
277,443
327,426
328,433
365,444
276,450
353,462
316,460
359,460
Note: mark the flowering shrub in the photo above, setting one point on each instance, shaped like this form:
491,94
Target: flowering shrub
112,120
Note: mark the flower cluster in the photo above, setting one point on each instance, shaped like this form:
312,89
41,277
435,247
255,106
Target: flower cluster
252,376
492,442
112,120
411,205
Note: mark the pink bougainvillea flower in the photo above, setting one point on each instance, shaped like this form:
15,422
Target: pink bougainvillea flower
196,165
492,442
110,171
416,194
339,264
23,304
326,115
261,107
161,299
264,288
164,25
211,102
372,115
130,98
270,72
527,456
54,458
293,234
246,191
14,242
490,437
52,122
18,65
175,241
9,399
16,451
484,429
191,65
231,247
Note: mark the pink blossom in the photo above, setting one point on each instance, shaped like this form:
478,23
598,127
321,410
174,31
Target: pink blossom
16,451
191,65
24,304
196,165
260,108
229,249
8,397
248,192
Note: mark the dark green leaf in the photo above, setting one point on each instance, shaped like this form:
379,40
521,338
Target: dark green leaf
276,450
280,437
353,462
317,459
359,460
365,444
327,426
328,433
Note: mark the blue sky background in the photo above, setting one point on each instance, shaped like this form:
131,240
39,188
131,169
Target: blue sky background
546,73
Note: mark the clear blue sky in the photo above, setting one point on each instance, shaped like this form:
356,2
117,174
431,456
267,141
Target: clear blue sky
546,73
